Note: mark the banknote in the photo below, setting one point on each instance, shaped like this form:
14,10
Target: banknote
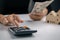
39,6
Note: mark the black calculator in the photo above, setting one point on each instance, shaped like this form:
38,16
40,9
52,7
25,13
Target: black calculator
21,31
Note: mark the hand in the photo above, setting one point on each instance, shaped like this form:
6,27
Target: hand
38,16
12,19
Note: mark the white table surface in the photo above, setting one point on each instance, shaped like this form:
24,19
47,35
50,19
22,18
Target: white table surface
45,31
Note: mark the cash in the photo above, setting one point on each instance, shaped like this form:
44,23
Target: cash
39,6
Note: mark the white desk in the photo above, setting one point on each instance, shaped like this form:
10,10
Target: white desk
46,31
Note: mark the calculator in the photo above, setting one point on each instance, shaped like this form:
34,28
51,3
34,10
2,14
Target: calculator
21,31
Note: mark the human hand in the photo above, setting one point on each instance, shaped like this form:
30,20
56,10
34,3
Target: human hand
38,15
14,19
11,19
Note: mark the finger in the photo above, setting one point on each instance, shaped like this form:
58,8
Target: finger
11,19
18,18
45,11
4,21
13,22
16,23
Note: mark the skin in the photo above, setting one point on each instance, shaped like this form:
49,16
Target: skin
3,20
15,20
10,19
37,16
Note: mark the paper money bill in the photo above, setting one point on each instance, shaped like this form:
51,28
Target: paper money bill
39,6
